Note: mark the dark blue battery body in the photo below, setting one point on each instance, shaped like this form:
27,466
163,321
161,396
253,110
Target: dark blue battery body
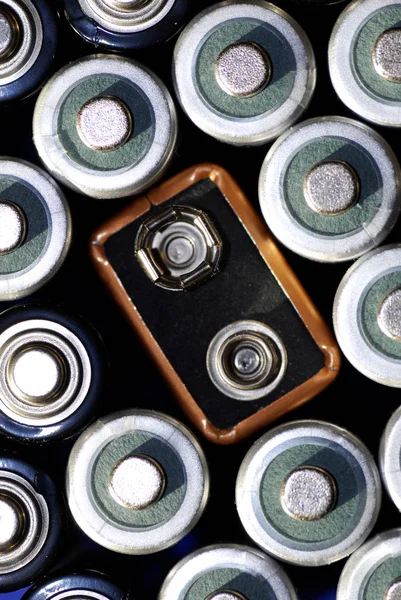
32,79
90,581
98,35
42,485
99,375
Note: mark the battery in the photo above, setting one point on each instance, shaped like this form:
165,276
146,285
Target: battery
366,315
137,481
329,189
105,126
364,60
89,585
389,458
227,572
35,228
308,492
28,41
53,373
194,250
244,71
32,520
123,25
374,570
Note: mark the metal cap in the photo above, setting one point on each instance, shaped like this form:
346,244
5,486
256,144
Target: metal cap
387,55
21,36
389,315
12,522
78,594
226,595
308,493
37,265
393,591
243,69
45,372
371,567
362,68
289,479
228,97
340,214
246,360
390,457
126,16
137,482
365,339
12,227
137,153
130,513
104,123
331,187
24,522
227,572
9,34
178,247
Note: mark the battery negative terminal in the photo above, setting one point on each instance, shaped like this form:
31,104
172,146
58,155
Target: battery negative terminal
179,247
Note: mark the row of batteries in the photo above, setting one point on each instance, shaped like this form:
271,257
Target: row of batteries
308,492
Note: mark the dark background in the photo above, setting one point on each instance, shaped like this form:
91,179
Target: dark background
353,401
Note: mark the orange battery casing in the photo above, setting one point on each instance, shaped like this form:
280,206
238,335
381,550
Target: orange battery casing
275,262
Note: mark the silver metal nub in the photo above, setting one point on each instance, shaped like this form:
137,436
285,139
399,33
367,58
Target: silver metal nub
11,523
393,591
389,316
137,482
12,227
45,372
9,34
243,69
37,372
24,522
226,595
104,123
308,493
128,5
331,187
126,16
21,38
246,360
387,55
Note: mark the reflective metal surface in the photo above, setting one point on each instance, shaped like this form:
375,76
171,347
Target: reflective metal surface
45,372
178,247
23,39
243,69
308,493
126,16
389,317
387,55
12,227
9,33
331,187
24,522
108,531
104,123
137,482
246,360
